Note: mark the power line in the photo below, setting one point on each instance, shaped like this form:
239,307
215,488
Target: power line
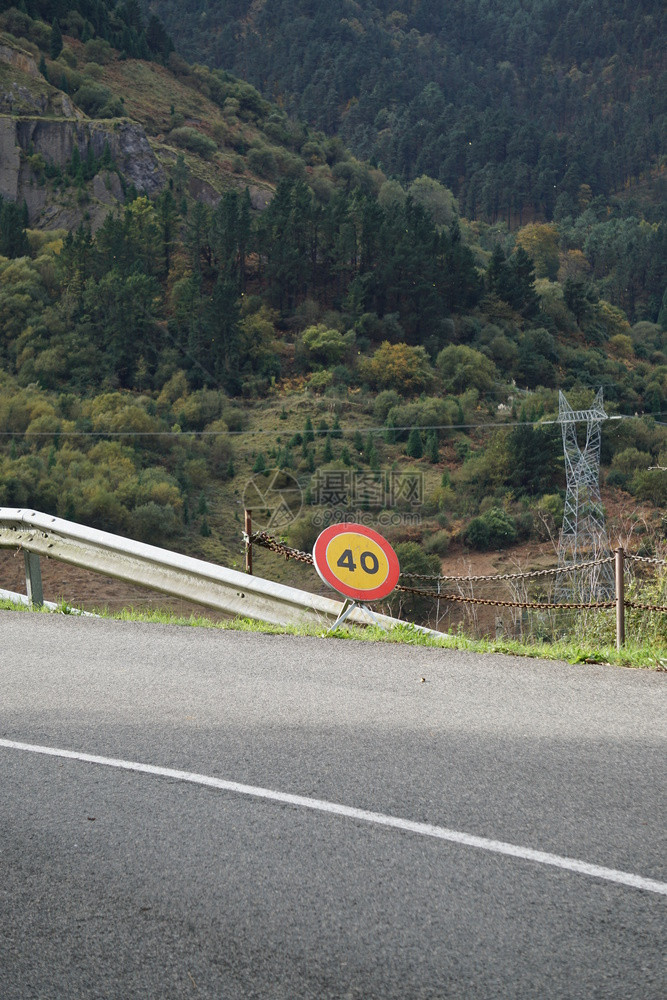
315,431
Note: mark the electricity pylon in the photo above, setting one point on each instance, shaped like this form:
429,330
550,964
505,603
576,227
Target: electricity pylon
583,536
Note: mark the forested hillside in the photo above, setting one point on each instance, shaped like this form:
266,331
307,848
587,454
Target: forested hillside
523,109
195,288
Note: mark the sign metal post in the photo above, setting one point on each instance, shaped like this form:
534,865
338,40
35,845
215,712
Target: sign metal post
357,562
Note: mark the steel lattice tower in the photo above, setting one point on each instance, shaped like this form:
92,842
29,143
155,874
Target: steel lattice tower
583,536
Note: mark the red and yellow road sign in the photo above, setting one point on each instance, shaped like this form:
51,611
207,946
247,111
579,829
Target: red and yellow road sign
356,561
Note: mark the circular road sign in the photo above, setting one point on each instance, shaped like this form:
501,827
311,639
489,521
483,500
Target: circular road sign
356,561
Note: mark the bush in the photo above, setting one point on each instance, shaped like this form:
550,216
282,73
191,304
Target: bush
463,367
494,529
92,98
630,460
326,346
196,142
319,381
93,70
262,162
398,366
200,409
150,522
384,401
438,543
97,50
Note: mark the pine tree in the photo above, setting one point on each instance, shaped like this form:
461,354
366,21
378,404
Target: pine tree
308,432
414,448
432,451
390,433
327,455
56,42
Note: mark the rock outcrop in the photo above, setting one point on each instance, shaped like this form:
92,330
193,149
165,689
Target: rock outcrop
38,119
55,140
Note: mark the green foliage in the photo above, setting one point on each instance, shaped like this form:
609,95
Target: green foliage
326,346
13,237
509,107
464,368
414,448
56,41
494,529
532,453
438,543
397,366
194,141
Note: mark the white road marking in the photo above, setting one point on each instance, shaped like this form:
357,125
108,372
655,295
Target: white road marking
378,819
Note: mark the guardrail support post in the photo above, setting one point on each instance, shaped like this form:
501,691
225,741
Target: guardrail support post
33,579
248,543
620,598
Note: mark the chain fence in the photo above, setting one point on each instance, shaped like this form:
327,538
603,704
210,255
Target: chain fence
264,540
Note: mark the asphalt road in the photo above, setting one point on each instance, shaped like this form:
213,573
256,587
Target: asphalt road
118,884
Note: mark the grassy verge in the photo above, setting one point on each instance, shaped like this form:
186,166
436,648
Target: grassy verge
636,655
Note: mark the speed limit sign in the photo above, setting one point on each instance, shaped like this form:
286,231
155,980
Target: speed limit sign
356,561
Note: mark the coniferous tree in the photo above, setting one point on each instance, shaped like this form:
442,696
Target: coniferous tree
56,41
414,448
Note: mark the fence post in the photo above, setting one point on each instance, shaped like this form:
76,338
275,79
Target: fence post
248,543
620,598
33,579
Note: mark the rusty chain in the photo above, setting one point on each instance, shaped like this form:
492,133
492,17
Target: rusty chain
511,576
264,540
503,604
267,541
645,607
645,559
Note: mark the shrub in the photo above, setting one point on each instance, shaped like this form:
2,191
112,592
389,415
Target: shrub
384,401
262,162
494,529
319,381
196,142
201,408
151,522
630,460
463,367
92,98
97,50
326,346
650,485
438,543
398,366
93,70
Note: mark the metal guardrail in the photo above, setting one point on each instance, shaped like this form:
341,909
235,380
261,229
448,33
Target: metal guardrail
201,582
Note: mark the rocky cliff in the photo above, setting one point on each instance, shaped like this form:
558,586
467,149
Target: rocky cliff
40,124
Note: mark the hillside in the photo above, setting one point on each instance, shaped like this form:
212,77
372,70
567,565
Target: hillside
195,290
523,109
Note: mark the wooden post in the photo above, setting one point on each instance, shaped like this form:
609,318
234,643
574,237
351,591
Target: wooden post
620,599
248,543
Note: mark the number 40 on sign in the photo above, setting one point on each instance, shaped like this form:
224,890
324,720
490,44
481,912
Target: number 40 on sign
356,561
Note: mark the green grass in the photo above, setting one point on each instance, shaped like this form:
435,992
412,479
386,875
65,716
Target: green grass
643,656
